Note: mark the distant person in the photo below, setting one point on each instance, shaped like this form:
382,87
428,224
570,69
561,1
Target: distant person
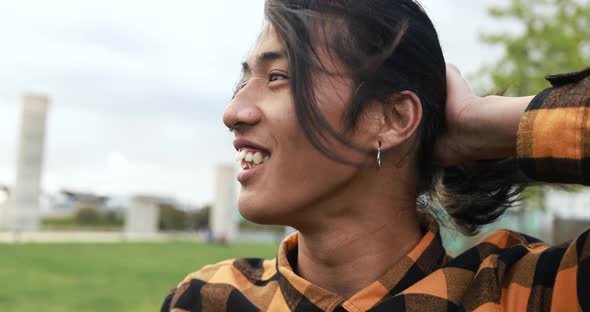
351,129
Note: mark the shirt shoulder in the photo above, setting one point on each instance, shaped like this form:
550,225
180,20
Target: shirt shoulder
235,271
517,272
220,283
506,246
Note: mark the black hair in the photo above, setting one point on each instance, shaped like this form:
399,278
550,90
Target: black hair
389,46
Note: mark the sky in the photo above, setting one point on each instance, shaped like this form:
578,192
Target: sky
137,88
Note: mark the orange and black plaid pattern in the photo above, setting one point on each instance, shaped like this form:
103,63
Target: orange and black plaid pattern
554,133
507,271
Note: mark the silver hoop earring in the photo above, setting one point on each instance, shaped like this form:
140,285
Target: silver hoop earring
379,156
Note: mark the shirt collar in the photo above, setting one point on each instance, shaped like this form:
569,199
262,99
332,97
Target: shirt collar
427,256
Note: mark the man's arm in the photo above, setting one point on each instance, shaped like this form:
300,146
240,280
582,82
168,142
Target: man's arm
548,133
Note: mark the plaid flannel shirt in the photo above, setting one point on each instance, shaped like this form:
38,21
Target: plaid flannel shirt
507,271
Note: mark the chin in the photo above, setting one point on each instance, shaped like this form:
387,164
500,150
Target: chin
259,212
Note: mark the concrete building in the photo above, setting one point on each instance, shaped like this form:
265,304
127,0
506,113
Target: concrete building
223,219
22,211
66,203
142,216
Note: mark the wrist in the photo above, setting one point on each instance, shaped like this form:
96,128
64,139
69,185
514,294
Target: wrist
491,126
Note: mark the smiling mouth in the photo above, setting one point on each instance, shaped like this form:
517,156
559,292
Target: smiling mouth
249,158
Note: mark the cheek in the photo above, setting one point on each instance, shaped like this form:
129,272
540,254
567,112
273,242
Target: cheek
300,165
299,178
298,175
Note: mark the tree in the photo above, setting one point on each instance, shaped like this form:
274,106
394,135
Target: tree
87,216
200,218
172,218
554,37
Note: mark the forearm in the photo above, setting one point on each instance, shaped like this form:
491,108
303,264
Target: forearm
549,133
493,126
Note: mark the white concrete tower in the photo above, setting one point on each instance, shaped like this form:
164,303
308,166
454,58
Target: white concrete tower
141,217
23,207
223,218
4,196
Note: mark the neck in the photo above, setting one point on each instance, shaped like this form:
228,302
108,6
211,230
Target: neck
354,249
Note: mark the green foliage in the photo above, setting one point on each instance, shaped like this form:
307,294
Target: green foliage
173,219
112,217
104,277
87,216
545,37
534,197
200,218
58,222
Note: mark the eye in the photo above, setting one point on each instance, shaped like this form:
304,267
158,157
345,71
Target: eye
276,77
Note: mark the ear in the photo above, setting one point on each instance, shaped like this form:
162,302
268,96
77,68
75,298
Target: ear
401,119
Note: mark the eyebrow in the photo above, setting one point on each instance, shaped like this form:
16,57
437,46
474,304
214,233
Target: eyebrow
263,59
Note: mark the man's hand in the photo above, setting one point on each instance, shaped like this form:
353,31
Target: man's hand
477,127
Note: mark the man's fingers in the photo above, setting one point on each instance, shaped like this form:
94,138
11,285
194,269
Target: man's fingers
454,67
457,87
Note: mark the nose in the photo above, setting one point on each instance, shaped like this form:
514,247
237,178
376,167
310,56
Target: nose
242,112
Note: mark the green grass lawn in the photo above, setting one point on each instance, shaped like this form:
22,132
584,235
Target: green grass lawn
104,277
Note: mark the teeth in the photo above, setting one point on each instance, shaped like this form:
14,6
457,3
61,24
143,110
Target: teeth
250,159
257,158
240,156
